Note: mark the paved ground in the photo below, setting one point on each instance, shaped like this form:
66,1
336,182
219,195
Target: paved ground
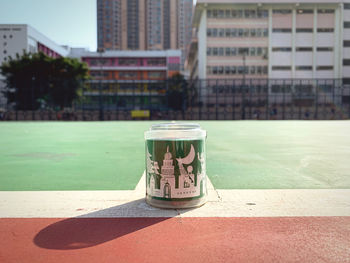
110,155
279,192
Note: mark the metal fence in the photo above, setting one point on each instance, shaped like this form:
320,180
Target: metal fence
211,99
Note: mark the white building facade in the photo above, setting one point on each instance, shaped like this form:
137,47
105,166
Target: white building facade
266,39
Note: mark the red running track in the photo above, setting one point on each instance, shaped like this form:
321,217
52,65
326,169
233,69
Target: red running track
281,239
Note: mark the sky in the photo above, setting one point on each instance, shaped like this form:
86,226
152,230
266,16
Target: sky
66,22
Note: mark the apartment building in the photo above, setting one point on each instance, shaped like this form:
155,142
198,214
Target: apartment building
144,24
304,39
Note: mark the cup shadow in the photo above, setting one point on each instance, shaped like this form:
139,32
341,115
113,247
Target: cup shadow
99,227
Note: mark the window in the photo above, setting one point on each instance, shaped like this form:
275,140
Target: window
246,32
325,30
214,32
259,32
233,51
266,32
156,74
346,43
221,32
325,11
305,11
259,70
252,51
227,32
209,14
282,11
324,49
282,30
303,68
304,30
346,62
253,14
265,70
278,68
221,51
233,32
228,51
240,32
215,13
281,49
233,70
209,51
215,70
243,51
325,68
259,51
220,70
156,61
347,6
253,32
215,51
304,49
221,13
234,13
227,70
346,24
252,70
228,13
209,32
276,89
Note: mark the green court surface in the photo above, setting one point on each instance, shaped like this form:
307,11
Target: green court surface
110,155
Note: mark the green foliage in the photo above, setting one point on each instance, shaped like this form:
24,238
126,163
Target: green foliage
34,80
177,92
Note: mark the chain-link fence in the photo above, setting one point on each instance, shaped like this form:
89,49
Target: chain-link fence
211,99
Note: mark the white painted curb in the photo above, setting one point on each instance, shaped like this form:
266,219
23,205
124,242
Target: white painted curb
130,203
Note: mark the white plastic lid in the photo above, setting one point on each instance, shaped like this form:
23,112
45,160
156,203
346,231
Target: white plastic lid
175,130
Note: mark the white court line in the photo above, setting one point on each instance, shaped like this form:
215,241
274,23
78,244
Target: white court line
130,203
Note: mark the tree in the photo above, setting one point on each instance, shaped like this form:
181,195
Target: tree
36,79
177,92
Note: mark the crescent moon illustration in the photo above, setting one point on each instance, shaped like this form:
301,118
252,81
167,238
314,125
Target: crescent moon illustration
189,158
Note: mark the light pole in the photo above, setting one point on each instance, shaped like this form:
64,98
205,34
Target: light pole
244,77
101,117
244,66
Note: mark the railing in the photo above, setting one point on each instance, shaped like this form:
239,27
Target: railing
211,99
